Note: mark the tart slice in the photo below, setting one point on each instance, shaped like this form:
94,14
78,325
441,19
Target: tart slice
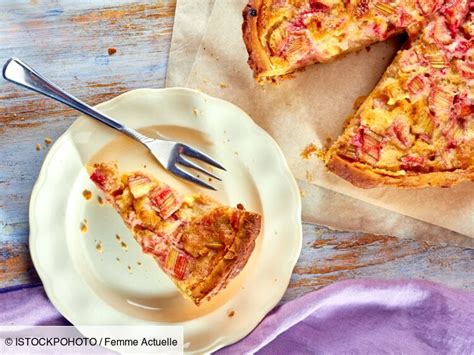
200,244
416,128
282,36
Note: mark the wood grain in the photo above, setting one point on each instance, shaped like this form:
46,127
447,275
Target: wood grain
329,256
68,41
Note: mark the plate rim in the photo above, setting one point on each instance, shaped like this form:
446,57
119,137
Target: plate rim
222,341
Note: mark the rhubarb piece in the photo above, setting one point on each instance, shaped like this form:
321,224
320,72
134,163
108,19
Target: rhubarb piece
164,201
369,143
200,244
385,9
176,263
440,103
436,59
429,7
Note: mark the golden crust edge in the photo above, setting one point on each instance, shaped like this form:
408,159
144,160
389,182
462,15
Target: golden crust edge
258,58
366,178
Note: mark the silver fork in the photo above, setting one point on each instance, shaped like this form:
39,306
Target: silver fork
170,154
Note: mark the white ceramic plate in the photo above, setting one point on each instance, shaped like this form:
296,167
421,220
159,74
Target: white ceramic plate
106,285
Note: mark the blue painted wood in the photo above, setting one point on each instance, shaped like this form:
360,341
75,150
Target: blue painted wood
67,41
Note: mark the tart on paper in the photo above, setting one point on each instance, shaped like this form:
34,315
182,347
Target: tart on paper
416,128
200,244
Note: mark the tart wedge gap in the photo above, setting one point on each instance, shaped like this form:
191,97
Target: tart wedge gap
199,243
416,128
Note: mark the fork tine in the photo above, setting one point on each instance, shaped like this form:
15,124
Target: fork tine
183,161
194,153
187,176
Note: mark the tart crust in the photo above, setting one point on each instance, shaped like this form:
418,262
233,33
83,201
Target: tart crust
367,179
258,60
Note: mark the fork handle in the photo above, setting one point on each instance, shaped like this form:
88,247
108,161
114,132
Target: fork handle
22,74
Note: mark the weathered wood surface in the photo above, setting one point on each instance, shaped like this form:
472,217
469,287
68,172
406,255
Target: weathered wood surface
68,42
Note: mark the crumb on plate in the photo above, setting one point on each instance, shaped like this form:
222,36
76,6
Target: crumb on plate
111,50
99,247
87,194
83,227
38,146
48,141
230,313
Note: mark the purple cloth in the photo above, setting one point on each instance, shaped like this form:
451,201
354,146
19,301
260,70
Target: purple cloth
414,317
28,306
362,317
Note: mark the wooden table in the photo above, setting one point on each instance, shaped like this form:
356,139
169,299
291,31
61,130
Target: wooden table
68,41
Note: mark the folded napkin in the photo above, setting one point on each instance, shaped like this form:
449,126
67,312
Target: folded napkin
368,316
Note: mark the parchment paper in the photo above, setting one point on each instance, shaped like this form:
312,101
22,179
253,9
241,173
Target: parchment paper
190,22
319,204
